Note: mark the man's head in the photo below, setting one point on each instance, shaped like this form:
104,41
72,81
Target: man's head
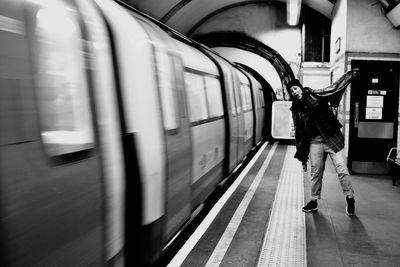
295,89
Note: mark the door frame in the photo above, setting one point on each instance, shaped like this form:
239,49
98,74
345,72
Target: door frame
379,57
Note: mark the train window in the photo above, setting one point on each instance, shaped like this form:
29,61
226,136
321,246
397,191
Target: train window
238,99
243,95
165,77
196,97
64,107
232,98
261,98
214,96
166,88
248,97
257,99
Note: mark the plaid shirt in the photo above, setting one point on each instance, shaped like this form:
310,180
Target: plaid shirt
310,110
326,123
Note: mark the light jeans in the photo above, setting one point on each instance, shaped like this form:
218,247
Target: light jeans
318,154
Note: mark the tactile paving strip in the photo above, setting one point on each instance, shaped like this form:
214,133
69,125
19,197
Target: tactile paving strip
285,238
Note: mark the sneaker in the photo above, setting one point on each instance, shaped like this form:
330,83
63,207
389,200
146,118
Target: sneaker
350,206
311,206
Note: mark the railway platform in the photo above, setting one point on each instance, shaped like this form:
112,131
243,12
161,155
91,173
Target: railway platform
259,222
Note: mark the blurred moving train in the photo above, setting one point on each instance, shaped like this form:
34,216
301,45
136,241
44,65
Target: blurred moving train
112,132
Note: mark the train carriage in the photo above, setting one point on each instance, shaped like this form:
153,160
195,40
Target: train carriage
113,132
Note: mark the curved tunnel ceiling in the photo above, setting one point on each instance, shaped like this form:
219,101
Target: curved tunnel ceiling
183,15
242,41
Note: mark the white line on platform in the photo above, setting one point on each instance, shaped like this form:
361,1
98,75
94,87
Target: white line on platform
219,252
201,229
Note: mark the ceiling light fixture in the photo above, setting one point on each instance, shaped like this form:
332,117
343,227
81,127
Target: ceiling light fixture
293,8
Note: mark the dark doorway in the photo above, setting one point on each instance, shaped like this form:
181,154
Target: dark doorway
373,115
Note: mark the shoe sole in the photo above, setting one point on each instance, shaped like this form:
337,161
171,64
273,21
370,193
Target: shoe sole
310,210
350,214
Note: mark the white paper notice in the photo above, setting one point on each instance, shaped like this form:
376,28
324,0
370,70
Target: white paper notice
373,113
374,101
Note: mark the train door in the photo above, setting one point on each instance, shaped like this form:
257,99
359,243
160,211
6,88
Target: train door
248,114
261,123
239,114
109,128
234,125
231,116
178,148
374,115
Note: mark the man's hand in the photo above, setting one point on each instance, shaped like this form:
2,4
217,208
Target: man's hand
305,167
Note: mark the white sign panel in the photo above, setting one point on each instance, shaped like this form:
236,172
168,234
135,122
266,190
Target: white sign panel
282,122
376,92
373,113
374,101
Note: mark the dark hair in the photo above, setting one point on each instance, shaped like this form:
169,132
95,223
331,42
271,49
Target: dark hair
294,82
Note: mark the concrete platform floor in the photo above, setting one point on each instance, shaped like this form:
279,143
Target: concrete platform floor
369,238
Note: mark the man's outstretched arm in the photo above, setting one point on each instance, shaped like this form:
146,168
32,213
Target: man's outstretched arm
337,86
